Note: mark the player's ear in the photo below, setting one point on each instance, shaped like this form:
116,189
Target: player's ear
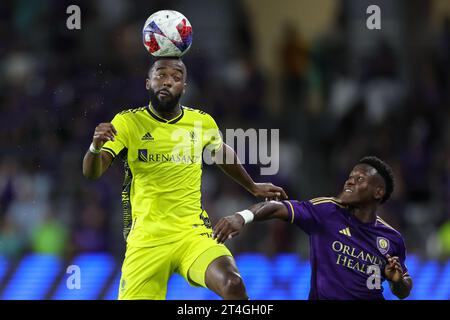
147,84
379,193
184,87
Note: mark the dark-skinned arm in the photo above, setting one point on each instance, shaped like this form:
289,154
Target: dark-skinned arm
402,288
95,164
229,163
399,283
232,225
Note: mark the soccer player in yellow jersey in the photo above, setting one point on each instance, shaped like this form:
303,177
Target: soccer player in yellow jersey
165,226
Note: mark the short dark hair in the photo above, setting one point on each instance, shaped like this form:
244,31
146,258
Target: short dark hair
384,170
156,59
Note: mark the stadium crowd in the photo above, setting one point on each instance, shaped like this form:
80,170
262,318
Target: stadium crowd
56,85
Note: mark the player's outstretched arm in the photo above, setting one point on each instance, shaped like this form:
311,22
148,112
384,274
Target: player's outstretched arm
95,161
229,163
399,283
232,225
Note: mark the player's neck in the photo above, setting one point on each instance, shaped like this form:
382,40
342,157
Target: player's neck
167,114
365,214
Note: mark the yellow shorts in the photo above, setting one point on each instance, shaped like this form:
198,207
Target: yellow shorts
146,271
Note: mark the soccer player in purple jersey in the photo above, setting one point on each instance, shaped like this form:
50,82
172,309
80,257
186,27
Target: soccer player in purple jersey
352,250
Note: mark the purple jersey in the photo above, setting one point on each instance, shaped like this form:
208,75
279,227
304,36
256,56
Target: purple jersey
343,250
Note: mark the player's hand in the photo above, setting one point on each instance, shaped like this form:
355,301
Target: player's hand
269,191
228,227
103,132
393,269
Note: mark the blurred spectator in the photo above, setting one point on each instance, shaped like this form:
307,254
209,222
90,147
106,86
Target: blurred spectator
29,207
8,172
444,239
91,233
247,88
50,237
12,242
294,62
382,87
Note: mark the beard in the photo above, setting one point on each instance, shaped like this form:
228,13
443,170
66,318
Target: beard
165,105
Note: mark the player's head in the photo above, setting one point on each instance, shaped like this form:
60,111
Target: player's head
370,181
166,83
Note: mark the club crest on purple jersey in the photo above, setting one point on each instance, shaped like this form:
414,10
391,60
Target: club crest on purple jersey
383,245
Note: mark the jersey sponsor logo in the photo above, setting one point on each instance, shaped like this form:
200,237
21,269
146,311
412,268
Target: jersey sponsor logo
147,137
346,231
383,245
354,258
144,156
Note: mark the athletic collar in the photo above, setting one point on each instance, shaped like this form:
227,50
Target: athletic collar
160,119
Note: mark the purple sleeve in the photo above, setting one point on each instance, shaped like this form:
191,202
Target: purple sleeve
303,214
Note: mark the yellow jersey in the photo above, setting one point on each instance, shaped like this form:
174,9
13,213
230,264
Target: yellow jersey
161,194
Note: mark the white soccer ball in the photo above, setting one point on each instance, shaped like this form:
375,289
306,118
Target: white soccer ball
167,33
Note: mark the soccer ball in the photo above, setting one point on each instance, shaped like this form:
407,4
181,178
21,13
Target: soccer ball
167,33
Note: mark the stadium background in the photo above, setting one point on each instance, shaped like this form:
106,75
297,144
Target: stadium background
336,90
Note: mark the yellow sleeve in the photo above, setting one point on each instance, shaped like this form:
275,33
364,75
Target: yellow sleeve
213,139
120,140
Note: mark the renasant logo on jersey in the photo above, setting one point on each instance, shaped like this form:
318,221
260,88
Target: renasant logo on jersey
144,156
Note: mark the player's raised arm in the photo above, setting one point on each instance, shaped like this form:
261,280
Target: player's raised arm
231,225
236,171
96,161
400,283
